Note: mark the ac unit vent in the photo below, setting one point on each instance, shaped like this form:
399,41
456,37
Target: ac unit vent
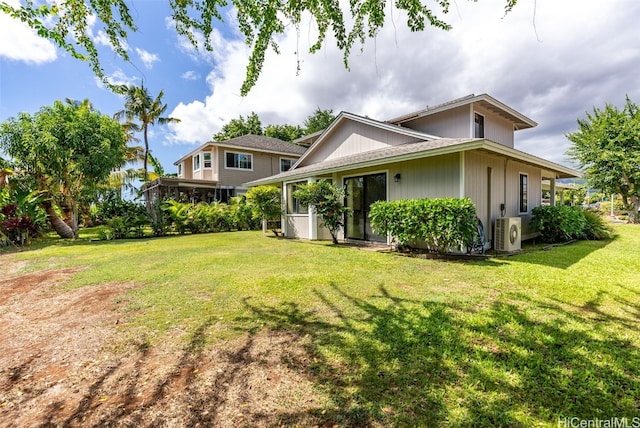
508,234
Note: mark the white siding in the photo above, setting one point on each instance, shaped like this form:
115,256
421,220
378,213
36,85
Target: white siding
452,123
476,188
297,225
496,128
352,138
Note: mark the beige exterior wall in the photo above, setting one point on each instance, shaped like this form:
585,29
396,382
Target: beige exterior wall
353,138
264,165
490,189
452,123
458,123
496,128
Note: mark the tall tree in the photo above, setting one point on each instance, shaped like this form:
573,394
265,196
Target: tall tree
65,22
239,127
284,132
318,120
607,146
141,107
63,149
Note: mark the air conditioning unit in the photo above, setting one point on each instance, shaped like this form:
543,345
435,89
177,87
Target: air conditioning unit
508,234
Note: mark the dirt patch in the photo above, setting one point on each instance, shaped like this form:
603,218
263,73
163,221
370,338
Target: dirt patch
60,366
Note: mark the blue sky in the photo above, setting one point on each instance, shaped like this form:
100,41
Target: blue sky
550,60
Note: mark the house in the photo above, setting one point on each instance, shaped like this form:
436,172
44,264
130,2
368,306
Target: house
216,171
462,148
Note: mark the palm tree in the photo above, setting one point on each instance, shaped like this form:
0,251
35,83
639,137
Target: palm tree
140,106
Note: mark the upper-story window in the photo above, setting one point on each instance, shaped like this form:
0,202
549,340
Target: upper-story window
179,170
196,162
524,199
285,164
238,161
206,156
478,129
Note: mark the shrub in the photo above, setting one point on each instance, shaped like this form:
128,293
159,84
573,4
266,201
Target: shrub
595,228
327,201
443,224
563,223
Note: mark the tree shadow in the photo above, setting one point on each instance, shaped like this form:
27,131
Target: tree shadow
387,360
560,257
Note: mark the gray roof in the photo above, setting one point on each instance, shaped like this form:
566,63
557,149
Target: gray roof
262,143
387,154
410,151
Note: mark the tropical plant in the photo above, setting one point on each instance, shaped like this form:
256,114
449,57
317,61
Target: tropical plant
265,202
607,146
179,214
326,200
63,149
140,106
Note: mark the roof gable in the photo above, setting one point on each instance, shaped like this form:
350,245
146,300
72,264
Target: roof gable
350,134
486,101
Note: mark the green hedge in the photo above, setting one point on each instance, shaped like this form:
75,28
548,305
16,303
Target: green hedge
563,223
443,224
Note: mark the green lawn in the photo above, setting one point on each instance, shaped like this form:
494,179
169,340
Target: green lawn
519,341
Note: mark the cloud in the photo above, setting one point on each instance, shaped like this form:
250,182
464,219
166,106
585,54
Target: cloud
21,43
118,78
551,61
191,75
147,58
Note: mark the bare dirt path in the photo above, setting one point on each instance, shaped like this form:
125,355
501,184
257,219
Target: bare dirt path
64,362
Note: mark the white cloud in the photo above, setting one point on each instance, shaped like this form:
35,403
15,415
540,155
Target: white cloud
21,43
147,58
191,75
549,60
118,77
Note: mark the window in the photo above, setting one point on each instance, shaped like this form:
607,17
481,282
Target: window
293,205
478,130
179,170
207,159
238,161
196,162
523,193
285,164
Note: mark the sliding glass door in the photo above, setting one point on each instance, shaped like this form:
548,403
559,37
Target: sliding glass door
362,191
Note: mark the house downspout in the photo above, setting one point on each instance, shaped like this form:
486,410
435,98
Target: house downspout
503,205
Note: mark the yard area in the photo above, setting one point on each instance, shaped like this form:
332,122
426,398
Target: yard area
238,329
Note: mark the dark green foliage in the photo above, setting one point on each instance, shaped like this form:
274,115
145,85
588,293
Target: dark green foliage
563,223
595,227
21,217
239,127
327,201
607,147
442,224
319,120
284,132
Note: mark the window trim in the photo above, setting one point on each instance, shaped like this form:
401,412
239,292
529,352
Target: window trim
289,159
475,115
238,153
291,187
179,170
523,193
204,161
193,161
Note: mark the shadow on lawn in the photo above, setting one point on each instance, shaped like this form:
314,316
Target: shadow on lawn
558,256
407,362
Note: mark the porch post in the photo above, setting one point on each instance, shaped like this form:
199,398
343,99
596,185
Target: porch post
552,192
283,206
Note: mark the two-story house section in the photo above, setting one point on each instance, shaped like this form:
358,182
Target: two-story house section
460,149
216,171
